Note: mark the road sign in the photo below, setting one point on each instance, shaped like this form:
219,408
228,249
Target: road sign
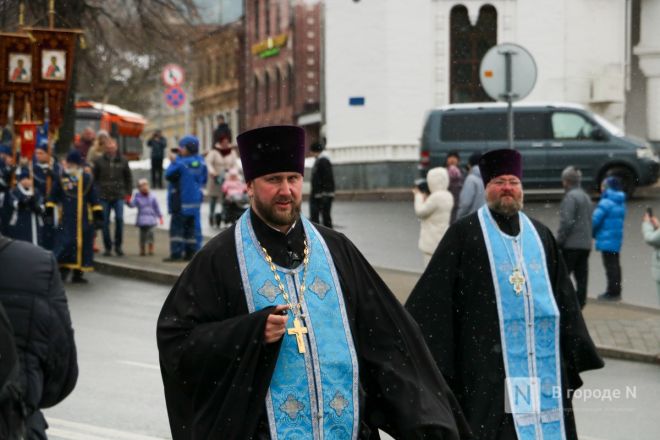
175,96
507,71
173,75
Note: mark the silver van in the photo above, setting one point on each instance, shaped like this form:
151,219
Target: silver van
550,136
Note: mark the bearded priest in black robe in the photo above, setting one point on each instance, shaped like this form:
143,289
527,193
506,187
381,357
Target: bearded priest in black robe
501,318
280,329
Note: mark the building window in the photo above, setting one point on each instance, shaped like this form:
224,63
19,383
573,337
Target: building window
219,72
468,45
278,88
256,19
310,34
255,90
278,18
290,85
267,91
267,17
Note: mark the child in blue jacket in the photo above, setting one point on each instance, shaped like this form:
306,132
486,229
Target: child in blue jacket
607,227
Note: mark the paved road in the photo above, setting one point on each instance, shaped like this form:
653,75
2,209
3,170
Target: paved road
119,393
387,233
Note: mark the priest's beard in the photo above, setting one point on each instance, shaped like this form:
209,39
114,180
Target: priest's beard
271,215
506,207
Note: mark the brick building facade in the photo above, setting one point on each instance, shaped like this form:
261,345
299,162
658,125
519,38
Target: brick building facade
282,64
218,81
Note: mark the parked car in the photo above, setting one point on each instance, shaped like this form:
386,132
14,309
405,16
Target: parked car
550,136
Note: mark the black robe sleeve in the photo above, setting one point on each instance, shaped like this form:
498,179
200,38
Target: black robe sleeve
405,394
215,366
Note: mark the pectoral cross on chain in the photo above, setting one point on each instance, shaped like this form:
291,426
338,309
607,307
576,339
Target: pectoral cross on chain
517,280
298,331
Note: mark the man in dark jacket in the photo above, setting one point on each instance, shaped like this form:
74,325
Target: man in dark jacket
574,234
114,184
31,292
323,187
158,145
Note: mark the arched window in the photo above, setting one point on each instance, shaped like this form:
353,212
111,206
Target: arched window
267,91
267,18
255,90
468,45
290,85
278,88
256,19
278,17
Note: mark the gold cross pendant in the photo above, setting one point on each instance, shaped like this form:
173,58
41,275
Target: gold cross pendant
298,331
517,280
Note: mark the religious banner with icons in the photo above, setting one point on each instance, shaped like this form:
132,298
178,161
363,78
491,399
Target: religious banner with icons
53,54
16,74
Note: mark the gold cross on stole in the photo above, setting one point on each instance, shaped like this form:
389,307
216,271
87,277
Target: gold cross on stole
298,330
517,280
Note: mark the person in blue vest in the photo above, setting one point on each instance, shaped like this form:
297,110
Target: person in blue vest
27,207
45,169
501,317
186,175
279,328
75,193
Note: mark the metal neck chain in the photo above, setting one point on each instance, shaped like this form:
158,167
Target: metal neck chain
296,309
516,260
517,272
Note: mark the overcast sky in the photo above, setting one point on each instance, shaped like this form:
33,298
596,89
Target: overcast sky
217,11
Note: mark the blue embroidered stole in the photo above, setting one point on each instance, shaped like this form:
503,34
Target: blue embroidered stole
314,394
529,329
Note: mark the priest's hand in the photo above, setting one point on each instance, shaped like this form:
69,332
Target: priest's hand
276,324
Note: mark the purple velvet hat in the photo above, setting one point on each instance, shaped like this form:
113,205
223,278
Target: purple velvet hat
500,162
273,149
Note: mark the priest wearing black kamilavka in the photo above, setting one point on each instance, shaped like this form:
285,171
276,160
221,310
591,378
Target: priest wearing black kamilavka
280,329
500,316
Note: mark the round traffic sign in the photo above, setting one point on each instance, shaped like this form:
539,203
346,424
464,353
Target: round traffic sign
173,75
493,72
175,97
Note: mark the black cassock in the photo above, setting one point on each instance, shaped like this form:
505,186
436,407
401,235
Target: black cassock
216,368
454,304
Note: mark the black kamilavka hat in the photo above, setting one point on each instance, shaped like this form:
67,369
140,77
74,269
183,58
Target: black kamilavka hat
273,149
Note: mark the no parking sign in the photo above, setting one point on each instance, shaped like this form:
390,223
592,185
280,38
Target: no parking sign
175,97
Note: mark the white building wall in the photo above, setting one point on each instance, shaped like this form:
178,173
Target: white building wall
396,55
379,51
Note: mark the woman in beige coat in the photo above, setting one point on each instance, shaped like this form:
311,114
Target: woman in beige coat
434,211
220,159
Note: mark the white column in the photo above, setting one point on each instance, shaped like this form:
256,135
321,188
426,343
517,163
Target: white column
648,51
